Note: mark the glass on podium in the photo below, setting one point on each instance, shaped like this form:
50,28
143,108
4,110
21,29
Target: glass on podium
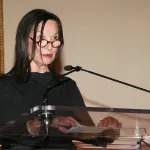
134,133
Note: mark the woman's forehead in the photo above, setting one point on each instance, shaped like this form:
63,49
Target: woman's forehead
50,28
50,24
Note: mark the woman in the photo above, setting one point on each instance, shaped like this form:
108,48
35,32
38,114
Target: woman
39,40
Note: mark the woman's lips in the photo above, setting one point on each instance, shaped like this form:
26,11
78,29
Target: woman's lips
47,55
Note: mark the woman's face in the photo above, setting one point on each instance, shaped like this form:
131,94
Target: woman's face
46,48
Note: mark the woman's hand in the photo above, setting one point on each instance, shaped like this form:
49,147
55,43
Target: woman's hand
63,123
34,126
110,122
114,131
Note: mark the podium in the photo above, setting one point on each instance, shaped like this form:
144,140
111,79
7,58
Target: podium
134,134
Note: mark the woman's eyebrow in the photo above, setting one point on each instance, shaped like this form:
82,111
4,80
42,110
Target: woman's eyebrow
54,34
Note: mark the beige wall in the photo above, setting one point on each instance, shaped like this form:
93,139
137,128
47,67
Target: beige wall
110,37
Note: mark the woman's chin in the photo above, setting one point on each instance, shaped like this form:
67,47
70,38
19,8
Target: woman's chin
47,62
47,59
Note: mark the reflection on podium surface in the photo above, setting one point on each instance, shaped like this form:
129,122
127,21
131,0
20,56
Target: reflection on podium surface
134,133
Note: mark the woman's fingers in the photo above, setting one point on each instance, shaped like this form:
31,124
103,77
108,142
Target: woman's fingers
67,121
110,122
33,126
63,123
62,129
35,123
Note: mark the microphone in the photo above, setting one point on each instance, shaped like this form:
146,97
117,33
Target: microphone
69,68
78,68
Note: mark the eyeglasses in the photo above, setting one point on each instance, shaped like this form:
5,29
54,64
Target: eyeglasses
43,42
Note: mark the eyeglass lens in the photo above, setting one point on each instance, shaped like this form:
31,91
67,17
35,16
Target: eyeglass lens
55,44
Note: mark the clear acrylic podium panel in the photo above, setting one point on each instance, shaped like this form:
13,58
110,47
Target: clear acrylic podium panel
135,124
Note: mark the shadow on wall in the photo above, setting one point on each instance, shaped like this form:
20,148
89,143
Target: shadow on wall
93,103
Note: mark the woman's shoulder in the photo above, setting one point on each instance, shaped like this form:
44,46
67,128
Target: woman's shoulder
68,80
5,79
68,84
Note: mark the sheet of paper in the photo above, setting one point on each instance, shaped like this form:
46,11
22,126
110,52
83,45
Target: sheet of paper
88,129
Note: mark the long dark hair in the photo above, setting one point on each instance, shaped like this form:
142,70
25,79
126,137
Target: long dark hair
21,69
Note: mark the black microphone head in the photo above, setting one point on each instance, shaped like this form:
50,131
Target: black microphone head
68,68
78,68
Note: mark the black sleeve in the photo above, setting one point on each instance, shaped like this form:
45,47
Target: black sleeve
6,103
8,106
77,100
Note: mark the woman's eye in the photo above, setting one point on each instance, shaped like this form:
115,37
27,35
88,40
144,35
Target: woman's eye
54,38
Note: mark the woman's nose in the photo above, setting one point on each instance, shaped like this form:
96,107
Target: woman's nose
49,46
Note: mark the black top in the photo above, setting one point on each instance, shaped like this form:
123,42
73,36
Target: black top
18,98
